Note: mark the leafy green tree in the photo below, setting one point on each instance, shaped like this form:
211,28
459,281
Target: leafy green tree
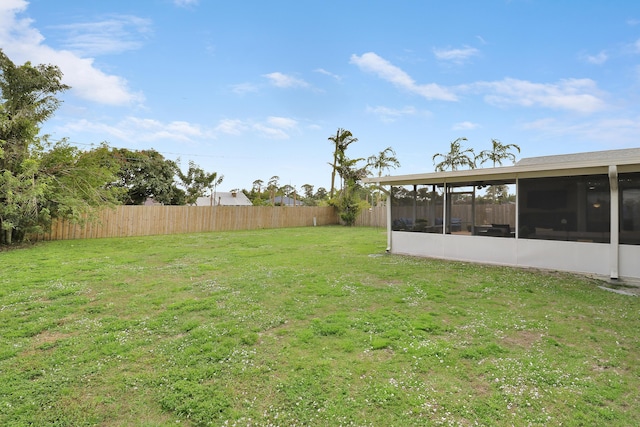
40,181
56,181
318,198
455,158
255,195
308,191
21,211
257,186
272,187
196,182
288,191
349,203
341,141
78,179
146,174
321,194
498,153
308,196
28,99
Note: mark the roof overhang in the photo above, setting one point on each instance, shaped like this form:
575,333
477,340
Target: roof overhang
511,173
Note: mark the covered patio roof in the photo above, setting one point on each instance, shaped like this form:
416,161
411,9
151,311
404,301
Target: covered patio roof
590,163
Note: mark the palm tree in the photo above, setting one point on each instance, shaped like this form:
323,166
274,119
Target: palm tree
289,193
498,153
272,186
455,157
386,159
257,185
341,141
308,190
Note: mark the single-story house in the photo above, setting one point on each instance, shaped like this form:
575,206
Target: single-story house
222,198
287,201
577,213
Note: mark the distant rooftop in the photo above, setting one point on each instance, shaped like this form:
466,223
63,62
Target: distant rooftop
222,198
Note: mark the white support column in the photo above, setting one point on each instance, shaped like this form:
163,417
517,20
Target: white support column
615,222
445,213
517,208
389,197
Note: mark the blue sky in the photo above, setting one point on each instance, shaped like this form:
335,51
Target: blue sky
253,89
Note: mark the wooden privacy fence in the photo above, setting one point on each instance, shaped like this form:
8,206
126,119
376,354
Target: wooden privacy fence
375,216
126,221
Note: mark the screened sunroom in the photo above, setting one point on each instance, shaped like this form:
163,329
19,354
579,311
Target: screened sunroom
578,212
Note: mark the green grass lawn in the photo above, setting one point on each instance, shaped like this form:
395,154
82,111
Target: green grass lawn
305,326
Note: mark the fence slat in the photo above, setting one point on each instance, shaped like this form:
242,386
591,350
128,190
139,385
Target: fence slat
127,221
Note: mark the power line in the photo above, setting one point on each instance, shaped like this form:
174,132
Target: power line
161,152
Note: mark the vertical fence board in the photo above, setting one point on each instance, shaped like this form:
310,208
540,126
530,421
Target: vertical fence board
128,221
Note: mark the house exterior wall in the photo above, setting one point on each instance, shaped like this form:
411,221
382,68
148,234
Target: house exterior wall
577,257
577,213
629,261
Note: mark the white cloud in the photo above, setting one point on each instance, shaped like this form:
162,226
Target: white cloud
598,59
389,115
135,130
231,126
327,73
578,95
102,129
285,81
185,3
276,127
116,34
272,128
457,56
465,126
13,29
270,132
243,88
282,122
616,132
22,42
372,63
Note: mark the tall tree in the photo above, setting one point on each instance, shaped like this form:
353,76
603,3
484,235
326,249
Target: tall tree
272,186
257,185
289,192
321,194
146,174
196,182
308,190
498,153
341,141
349,203
455,158
28,99
39,180
78,179
386,159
